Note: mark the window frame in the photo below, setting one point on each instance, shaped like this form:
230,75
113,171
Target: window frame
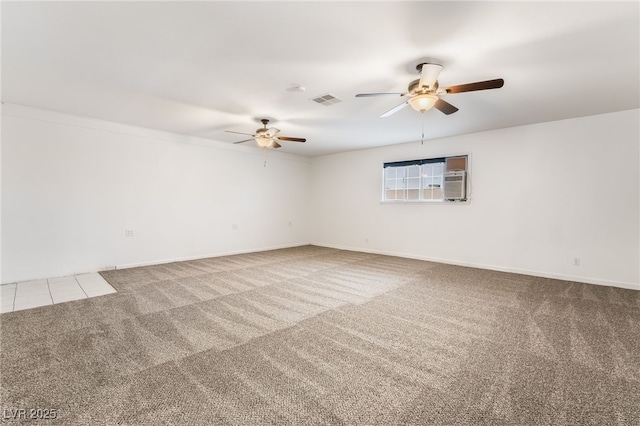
421,189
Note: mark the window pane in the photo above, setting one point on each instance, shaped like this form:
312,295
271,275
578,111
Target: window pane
413,194
389,173
413,183
400,194
391,180
438,171
395,182
432,181
433,193
413,171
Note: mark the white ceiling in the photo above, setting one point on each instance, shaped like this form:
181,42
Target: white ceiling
200,68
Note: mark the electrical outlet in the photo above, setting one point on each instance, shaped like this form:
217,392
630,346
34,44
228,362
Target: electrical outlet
576,261
234,226
290,223
128,232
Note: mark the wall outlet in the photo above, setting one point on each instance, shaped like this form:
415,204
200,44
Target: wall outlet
128,232
576,261
290,223
234,226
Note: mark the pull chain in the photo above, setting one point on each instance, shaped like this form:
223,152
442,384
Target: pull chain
422,141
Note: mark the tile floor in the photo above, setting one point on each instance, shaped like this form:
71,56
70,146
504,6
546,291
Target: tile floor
31,294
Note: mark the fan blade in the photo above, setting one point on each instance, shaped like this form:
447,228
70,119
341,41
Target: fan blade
246,140
285,138
395,109
445,107
275,144
367,95
429,75
248,134
480,85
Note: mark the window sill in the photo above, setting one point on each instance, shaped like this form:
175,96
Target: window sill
423,202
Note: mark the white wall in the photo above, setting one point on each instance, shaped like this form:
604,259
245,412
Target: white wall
72,185
541,196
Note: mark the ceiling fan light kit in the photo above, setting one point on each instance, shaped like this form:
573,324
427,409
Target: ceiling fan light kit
264,141
423,102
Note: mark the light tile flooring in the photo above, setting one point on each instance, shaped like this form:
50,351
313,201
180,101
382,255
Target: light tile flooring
32,294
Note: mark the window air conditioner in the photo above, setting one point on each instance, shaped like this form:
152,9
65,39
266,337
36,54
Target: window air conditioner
455,185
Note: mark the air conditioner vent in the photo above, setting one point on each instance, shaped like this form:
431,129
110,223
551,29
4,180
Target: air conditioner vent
327,99
455,185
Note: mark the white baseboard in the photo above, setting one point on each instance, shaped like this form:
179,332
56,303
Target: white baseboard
535,273
205,256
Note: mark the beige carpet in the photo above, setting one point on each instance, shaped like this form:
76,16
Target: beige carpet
313,335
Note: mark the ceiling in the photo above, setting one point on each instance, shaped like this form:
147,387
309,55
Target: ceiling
200,68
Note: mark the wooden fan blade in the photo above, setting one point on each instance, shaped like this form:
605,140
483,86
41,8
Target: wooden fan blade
480,85
285,138
395,109
246,140
368,95
248,134
445,107
275,144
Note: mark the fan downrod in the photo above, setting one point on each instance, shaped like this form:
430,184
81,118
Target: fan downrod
419,66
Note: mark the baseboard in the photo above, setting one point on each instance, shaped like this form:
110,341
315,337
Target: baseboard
534,273
206,256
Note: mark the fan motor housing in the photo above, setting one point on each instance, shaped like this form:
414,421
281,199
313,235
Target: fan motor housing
414,87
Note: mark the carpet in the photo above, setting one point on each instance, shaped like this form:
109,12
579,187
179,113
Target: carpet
319,336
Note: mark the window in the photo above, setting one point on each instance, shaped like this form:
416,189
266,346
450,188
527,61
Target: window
432,179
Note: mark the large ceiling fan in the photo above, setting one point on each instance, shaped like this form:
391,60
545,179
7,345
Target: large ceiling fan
425,93
266,137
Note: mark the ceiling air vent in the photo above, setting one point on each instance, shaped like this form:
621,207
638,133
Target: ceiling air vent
327,99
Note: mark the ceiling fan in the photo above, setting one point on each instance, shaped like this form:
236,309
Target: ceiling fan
425,93
266,137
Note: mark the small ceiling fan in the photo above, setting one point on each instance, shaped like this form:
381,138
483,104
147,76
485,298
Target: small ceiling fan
425,93
266,137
